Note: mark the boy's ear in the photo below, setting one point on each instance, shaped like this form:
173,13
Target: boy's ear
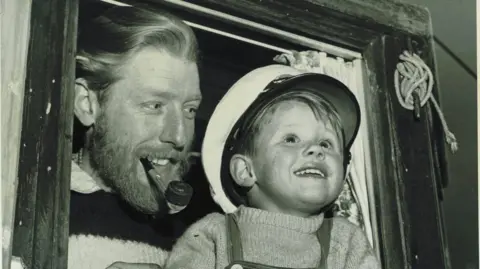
86,106
241,170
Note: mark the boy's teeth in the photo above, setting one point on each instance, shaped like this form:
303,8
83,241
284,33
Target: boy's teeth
160,161
310,171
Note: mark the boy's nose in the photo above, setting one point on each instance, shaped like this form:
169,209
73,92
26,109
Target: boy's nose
315,151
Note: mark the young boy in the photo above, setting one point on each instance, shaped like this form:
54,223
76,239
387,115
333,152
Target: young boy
275,153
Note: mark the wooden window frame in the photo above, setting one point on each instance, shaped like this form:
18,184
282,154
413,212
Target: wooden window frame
408,155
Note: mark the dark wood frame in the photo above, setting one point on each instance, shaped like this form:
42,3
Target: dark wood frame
42,210
407,154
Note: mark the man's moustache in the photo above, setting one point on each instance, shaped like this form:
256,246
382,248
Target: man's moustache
161,153
184,165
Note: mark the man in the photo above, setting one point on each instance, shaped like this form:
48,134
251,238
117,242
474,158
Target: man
136,94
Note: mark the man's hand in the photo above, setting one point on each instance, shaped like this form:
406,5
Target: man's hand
124,265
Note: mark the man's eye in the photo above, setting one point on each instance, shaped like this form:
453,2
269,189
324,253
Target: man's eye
326,144
291,139
154,106
191,112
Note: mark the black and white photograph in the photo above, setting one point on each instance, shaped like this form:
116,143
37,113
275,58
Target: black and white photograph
239,134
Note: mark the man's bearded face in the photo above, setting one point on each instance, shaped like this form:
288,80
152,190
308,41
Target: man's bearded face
149,114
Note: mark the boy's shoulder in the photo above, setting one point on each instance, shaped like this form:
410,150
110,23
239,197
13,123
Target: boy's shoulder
212,220
211,227
344,233
349,243
341,227
343,222
213,217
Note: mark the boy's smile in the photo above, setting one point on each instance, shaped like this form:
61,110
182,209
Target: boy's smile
298,161
315,169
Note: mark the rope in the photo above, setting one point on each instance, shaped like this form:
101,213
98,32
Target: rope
417,78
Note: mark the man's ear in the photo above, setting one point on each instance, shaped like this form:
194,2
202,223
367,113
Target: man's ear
86,106
241,170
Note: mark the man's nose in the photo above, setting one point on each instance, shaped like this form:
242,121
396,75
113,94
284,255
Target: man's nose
315,150
174,129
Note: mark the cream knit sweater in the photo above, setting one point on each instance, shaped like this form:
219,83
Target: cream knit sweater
97,248
272,239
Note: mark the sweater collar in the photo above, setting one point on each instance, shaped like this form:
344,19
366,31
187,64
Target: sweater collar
81,181
281,220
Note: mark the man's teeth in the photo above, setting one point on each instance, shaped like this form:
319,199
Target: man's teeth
160,161
310,171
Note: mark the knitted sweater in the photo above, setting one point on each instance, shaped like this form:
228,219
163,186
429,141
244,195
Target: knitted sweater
103,230
273,239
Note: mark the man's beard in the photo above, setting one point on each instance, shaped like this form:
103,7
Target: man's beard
114,160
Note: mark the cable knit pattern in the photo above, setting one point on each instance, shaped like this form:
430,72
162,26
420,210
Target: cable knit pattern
272,239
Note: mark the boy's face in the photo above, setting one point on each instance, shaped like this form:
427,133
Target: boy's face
298,162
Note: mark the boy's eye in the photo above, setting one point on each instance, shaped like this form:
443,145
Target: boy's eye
191,112
326,144
291,139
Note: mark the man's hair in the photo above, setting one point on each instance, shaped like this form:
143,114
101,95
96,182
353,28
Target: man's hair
249,131
105,43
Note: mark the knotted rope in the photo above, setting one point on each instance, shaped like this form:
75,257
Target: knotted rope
413,76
